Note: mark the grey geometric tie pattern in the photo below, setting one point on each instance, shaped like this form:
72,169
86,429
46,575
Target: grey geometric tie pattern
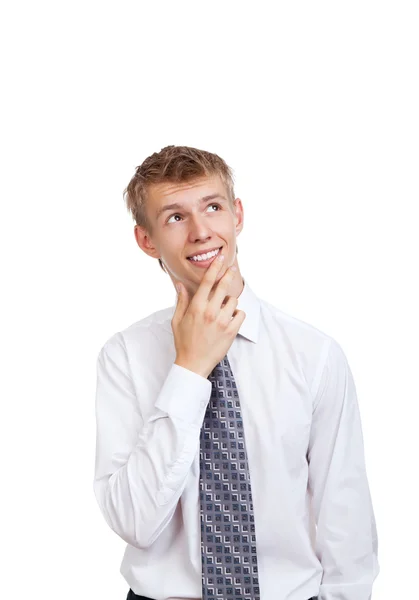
228,537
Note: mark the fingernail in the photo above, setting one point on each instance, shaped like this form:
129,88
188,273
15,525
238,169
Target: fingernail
220,257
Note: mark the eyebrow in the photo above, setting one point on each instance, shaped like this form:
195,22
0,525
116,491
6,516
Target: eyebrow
178,206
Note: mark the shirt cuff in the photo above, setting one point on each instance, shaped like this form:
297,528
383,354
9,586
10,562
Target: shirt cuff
185,395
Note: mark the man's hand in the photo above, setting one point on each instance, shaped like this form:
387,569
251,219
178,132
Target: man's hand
203,329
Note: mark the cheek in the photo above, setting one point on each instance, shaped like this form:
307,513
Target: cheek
174,240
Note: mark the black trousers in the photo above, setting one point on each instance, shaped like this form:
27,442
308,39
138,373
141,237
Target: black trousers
132,596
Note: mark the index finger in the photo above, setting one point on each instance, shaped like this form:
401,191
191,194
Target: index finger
208,280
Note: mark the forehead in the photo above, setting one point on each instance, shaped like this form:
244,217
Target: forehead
159,194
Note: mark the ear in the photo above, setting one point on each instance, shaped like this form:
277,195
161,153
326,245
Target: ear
145,241
239,214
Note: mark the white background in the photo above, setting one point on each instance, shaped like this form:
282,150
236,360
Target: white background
315,107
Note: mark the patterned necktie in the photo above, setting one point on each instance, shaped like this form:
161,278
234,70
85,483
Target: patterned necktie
228,540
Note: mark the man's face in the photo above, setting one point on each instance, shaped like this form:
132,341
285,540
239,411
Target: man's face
203,220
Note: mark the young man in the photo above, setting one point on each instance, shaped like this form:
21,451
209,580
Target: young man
229,450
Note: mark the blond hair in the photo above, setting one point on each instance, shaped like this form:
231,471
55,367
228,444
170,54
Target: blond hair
173,164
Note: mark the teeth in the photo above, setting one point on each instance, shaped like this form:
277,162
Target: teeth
205,256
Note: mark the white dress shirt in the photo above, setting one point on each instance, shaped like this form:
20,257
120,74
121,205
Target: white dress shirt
314,520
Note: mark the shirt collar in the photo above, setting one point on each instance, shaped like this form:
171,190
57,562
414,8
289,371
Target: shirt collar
250,304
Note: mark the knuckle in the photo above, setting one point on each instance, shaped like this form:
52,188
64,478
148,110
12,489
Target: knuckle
193,308
209,316
224,322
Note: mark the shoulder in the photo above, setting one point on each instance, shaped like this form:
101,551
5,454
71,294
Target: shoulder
296,329
144,332
304,343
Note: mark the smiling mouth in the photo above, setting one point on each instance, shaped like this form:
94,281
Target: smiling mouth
207,260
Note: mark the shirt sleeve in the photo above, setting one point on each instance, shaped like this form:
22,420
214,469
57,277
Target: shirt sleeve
346,539
141,466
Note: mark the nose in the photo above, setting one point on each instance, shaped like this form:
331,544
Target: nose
198,229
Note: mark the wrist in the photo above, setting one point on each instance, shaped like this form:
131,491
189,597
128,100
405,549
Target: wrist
198,369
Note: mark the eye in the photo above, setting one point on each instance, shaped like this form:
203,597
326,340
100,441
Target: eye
178,215
168,220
